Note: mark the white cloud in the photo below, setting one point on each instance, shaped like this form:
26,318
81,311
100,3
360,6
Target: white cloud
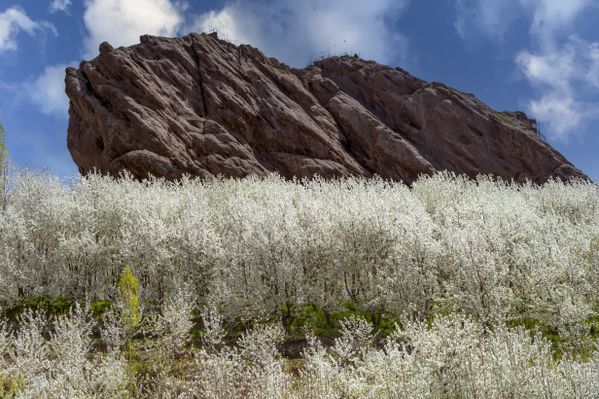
291,30
560,68
553,70
491,17
561,76
13,21
295,30
562,113
121,22
60,5
226,23
47,91
592,74
549,17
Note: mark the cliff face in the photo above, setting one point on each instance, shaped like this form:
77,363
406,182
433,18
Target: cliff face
201,106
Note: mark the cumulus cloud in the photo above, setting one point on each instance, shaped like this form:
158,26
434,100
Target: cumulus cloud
116,21
561,76
13,21
560,67
291,30
122,22
47,91
549,17
563,113
294,31
553,70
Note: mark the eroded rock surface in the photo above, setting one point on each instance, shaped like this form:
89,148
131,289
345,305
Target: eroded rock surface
201,106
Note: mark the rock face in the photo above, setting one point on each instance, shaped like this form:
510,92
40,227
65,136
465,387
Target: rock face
201,106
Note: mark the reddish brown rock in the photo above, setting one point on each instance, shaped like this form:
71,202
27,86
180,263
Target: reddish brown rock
201,106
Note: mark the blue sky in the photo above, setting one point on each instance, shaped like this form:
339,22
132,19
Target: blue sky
539,56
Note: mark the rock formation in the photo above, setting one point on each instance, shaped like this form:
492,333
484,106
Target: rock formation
201,106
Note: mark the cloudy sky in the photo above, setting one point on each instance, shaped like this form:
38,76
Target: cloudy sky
540,56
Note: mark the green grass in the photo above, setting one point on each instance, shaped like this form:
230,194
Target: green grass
283,68
52,307
505,117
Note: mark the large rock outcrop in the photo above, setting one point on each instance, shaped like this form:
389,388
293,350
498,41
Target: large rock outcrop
201,106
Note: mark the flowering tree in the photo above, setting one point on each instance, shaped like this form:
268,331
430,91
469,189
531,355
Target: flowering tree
470,268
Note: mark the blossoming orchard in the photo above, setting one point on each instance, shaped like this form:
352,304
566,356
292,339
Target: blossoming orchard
266,288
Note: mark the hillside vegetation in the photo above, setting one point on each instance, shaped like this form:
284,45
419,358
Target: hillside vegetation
450,288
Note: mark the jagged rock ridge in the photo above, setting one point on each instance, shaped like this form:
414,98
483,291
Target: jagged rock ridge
201,106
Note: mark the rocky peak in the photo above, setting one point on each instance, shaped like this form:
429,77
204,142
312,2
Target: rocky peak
202,106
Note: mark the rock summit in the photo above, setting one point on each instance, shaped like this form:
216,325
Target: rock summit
202,106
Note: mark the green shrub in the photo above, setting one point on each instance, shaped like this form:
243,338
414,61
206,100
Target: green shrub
129,295
3,148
